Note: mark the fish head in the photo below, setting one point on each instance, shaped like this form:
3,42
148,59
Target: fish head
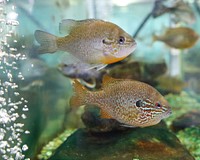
117,45
153,111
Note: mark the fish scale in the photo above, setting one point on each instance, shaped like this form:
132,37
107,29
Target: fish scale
90,41
118,98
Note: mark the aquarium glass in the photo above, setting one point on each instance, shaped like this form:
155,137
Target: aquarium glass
35,113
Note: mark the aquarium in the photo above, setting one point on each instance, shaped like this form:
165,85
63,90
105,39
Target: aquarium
105,80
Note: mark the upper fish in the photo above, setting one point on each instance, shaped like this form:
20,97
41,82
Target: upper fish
132,103
91,41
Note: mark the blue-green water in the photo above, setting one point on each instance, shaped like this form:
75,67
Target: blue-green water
34,95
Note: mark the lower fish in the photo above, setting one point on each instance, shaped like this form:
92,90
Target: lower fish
132,103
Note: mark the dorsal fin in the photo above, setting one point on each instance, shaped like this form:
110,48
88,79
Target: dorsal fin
108,80
67,25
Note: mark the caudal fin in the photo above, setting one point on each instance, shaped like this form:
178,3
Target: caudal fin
47,42
79,97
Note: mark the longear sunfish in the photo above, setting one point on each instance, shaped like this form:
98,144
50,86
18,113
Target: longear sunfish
91,41
132,103
180,37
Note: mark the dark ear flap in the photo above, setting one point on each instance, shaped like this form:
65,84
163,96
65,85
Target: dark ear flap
108,41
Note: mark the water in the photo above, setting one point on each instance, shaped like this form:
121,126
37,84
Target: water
12,103
35,116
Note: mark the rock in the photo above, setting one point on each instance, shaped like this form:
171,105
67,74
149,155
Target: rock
150,143
93,122
189,119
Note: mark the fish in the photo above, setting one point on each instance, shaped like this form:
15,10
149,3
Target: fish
170,84
76,71
179,37
132,103
180,10
91,41
88,77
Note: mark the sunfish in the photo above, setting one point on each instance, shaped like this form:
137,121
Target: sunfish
130,102
91,41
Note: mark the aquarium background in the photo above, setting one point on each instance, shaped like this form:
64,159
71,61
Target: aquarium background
35,116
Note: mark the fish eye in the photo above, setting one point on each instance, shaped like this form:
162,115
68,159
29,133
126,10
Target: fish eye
121,40
139,103
158,105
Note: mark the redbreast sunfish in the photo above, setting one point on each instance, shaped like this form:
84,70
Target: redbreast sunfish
132,103
91,41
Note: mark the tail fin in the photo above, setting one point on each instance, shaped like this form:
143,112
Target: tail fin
47,42
80,95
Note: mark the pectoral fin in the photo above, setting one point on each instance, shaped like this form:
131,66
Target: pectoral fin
126,125
105,114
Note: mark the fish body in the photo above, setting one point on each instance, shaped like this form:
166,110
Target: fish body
132,103
180,37
91,41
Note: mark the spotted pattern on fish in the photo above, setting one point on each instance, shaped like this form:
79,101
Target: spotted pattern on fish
130,102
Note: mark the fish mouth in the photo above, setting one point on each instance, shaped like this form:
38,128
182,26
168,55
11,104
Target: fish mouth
168,113
131,41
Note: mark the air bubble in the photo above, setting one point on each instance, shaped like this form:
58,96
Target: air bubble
2,135
23,116
9,75
13,49
16,93
25,109
10,109
3,144
24,147
4,116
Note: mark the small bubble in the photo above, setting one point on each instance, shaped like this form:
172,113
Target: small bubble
15,107
14,150
12,110
16,93
13,119
4,116
2,136
19,130
3,151
12,22
5,157
18,125
9,75
19,155
13,49
27,132
23,116
24,147
3,144
25,109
